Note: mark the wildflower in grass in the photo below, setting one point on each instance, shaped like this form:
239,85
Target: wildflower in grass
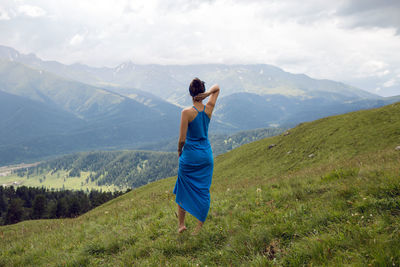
258,197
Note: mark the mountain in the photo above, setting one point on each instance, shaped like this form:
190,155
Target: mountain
93,117
248,111
75,72
22,118
394,98
327,194
85,101
260,82
171,81
132,106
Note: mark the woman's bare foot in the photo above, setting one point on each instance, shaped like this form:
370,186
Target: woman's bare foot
182,229
198,228
181,219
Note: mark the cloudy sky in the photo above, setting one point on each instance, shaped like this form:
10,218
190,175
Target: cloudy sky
356,42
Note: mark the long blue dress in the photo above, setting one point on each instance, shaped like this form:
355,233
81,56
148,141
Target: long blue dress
195,170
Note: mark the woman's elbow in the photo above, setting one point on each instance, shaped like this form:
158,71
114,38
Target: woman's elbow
215,89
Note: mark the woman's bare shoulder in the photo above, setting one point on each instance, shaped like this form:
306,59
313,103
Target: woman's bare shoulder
189,113
187,110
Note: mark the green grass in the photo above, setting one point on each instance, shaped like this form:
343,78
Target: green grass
268,208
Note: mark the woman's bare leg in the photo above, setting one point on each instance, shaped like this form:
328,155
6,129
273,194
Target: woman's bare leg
181,219
198,228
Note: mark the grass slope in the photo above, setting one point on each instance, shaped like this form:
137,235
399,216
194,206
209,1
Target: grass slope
340,206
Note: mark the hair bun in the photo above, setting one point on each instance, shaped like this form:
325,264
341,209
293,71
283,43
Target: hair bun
196,87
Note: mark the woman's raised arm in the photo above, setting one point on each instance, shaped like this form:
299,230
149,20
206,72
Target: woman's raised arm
213,92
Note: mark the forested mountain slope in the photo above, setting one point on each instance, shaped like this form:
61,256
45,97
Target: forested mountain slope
118,169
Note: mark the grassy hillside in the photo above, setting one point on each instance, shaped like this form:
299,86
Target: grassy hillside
328,193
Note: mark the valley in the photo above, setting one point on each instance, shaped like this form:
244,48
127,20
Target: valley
7,170
116,170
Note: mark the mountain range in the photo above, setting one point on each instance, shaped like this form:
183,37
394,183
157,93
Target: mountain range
49,108
43,114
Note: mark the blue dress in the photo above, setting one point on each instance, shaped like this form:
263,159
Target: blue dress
195,170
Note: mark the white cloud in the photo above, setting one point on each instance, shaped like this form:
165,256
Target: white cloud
76,40
31,11
390,83
303,37
382,73
372,67
4,14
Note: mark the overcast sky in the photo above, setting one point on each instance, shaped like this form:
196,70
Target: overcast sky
356,42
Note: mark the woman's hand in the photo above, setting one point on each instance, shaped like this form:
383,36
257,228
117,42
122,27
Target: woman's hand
201,96
180,147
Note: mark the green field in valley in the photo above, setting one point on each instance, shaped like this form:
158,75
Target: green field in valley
59,180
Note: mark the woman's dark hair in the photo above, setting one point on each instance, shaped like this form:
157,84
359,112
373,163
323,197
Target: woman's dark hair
196,87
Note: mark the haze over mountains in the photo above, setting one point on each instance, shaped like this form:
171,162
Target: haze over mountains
49,108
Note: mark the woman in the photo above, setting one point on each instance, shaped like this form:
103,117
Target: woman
196,163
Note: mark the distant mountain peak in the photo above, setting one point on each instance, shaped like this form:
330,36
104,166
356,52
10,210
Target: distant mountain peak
125,66
8,53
